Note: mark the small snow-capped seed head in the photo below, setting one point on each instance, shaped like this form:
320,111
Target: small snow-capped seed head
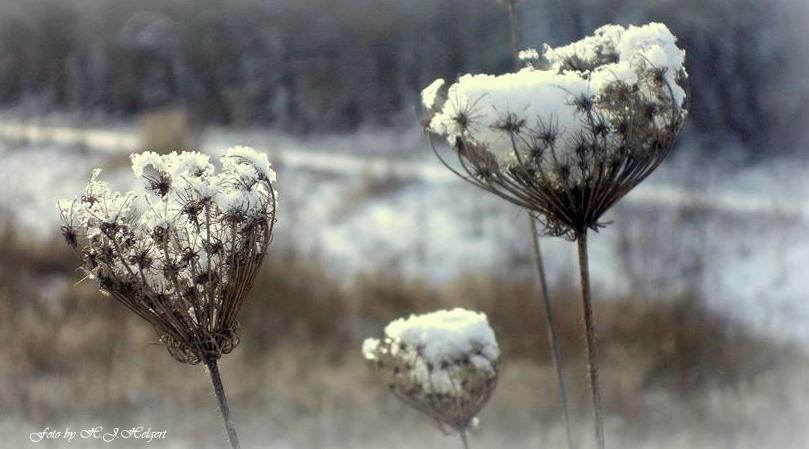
190,164
241,155
529,56
576,129
430,96
442,363
182,251
147,161
155,169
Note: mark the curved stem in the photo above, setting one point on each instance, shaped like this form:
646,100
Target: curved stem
590,334
552,336
216,380
463,439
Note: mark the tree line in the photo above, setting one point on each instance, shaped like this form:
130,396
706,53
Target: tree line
325,65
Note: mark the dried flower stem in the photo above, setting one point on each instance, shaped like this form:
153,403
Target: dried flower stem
216,380
540,266
552,336
590,334
464,440
568,156
183,253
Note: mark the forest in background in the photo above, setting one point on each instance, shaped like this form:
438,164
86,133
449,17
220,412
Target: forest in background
323,65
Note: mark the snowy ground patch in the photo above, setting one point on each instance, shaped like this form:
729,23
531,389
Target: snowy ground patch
734,236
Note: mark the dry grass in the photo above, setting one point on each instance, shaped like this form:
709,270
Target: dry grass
72,356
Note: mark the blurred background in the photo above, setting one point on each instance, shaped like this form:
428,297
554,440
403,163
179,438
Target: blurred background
700,280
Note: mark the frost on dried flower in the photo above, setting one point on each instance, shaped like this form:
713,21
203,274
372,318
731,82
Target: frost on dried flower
444,364
183,251
572,132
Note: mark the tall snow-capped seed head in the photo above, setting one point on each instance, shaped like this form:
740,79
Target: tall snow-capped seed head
574,131
443,364
183,251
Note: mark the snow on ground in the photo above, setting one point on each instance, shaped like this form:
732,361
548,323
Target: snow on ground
735,236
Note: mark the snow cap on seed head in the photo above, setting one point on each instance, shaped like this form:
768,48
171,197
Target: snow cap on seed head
574,130
443,362
172,250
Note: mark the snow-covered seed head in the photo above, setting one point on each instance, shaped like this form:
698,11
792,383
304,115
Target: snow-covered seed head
443,364
182,251
529,56
575,130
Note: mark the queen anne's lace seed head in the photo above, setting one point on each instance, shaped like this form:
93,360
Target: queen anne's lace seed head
182,252
443,364
572,132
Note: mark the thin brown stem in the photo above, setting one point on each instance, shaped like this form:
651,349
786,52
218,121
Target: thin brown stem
590,334
216,380
551,322
464,440
540,266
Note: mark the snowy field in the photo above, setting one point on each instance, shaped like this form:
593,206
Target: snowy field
363,206
737,236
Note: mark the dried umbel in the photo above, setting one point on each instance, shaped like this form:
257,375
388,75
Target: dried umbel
568,135
572,132
182,252
443,364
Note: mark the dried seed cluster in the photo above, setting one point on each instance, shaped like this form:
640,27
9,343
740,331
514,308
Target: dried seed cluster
443,364
183,251
572,132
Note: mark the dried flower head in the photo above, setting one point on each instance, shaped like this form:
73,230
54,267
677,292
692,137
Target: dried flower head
572,132
182,252
443,364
